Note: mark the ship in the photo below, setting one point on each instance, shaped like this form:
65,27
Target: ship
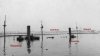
85,31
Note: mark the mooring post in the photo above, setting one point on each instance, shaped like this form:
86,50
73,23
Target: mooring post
28,40
70,35
28,32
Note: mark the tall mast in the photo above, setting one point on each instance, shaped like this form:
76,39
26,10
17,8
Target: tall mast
4,35
42,39
41,32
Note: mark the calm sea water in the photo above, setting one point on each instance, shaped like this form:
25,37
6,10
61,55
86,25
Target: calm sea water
88,45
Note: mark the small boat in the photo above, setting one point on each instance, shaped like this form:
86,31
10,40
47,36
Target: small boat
51,37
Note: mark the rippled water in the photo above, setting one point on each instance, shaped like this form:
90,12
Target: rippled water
88,45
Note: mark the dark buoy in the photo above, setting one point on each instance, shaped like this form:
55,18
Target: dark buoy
46,49
73,36
20,38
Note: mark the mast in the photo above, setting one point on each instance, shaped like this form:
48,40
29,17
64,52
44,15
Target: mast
41,32
4,35
77,30
42,39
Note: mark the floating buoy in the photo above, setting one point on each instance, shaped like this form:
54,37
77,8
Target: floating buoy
73,36
46,49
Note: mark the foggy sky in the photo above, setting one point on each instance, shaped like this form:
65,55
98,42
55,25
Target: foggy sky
59,14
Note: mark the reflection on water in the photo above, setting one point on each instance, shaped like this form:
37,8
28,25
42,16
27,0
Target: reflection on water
28,41
88,45
28,47
74,42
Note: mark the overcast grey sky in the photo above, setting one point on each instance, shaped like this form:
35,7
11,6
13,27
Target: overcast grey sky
59,14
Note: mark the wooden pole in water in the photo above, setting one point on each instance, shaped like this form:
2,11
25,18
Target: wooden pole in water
28,34
28,39
70,36
4,35
28,31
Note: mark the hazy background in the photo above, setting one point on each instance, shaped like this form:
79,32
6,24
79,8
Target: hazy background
59,14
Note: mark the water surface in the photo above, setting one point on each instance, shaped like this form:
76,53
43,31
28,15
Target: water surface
88,45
